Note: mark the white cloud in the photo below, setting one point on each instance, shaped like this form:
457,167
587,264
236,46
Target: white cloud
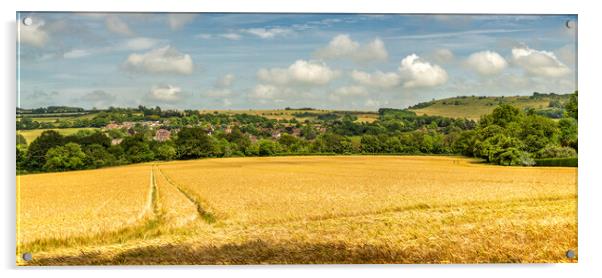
300,72
227,102
486,62
262,91
178,20
566,54
118,26
377,79
539,62
443,55
342,46
140,43
76,53
166,93
231,36
419,73
34,34
373,51
160,60
267,33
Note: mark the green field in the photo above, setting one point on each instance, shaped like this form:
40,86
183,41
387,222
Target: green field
31,135
472,107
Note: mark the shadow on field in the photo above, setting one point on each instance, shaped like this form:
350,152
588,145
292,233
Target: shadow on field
253,252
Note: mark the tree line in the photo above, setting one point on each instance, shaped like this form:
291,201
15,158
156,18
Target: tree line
507,136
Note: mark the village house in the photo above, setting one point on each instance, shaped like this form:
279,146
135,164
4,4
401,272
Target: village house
162,135
112,126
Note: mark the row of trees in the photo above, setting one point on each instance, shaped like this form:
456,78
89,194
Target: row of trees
508,136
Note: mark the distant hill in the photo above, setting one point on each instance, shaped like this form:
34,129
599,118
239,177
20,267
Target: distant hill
473,107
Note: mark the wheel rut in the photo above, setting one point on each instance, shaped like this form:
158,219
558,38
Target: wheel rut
199,203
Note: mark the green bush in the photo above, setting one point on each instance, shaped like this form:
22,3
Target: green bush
559,162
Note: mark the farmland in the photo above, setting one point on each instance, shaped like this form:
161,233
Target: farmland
473,107
30,135
308,209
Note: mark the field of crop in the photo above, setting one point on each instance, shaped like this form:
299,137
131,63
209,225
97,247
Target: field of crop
31,135
342,209
57,207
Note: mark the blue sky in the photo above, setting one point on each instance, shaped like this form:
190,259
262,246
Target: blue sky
254,61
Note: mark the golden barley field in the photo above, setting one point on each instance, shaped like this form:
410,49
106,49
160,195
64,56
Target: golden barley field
292,210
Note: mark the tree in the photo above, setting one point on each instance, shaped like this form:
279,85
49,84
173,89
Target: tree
287,140
97,156
568,132
21,139
165,152
370,144
268,147
36,153
237,137
514,156
504,114
193,142
332,143
136,149
572,106
536,132
556,151
68,157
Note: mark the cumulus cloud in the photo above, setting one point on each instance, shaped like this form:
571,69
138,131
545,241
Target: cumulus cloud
160,60
443,55
166,93
300,72
343,47
231,36
539,62
264,92
118,26
267,33
486,62
419,73
178,20
34,34
377,79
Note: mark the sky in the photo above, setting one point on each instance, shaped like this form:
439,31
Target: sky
267,61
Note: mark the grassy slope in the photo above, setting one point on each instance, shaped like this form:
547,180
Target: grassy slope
474,107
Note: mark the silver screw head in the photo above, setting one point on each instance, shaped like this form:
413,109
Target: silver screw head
27,256
27,21
570,254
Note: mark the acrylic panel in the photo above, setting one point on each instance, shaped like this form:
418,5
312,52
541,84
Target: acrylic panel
281,138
